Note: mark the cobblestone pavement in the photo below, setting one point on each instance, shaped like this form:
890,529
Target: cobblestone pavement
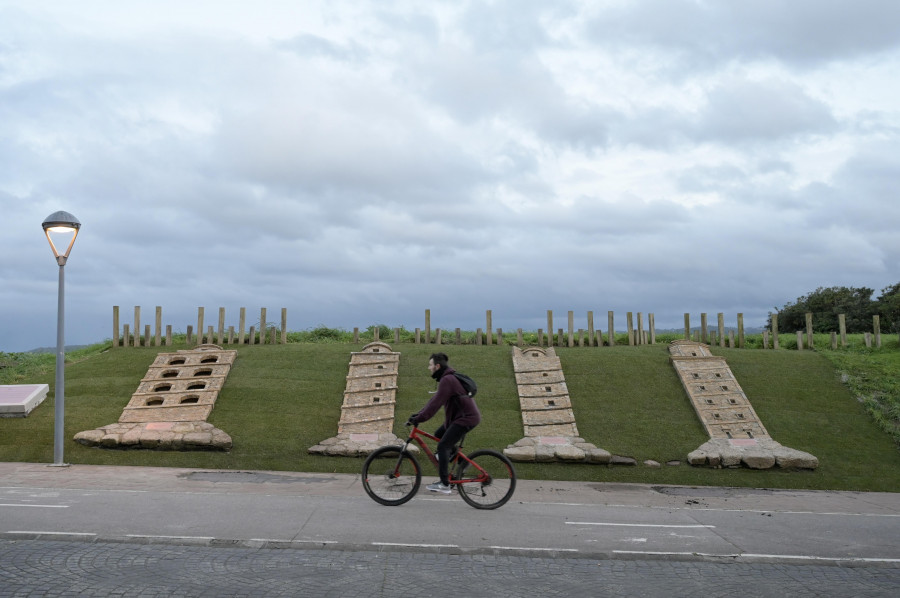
38,568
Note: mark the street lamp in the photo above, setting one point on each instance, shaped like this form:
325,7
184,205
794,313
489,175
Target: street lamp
60,224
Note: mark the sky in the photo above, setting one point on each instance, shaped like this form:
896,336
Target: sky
360,162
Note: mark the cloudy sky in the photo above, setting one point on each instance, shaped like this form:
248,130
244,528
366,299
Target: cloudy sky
360,162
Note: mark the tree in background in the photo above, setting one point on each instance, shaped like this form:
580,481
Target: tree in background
826,304
889,308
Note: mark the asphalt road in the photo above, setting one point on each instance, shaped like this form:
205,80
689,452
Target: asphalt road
90,530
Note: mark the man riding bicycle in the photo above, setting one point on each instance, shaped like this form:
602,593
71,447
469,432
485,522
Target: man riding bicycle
461,414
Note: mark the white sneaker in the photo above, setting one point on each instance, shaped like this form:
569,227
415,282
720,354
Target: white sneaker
439,487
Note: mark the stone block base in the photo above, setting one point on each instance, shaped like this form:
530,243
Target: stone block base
160,436
566,449
762,453
356,445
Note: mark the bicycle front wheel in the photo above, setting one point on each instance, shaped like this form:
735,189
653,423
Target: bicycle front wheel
391,475
491,483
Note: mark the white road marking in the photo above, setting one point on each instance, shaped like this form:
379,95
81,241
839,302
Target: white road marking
170,537
51,533
415,545
636,524
35,506
532,548
762,556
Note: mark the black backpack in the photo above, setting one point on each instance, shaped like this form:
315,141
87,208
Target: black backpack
467,383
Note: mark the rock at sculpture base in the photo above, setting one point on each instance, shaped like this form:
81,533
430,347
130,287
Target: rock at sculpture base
161,436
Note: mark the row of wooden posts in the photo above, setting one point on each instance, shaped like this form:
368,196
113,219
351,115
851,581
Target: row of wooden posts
219,336
635,332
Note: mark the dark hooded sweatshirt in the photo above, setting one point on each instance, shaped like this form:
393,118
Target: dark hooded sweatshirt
459,408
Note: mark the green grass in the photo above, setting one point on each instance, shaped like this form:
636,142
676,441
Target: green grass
281,400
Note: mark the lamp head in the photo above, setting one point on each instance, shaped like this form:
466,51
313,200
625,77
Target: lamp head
61,223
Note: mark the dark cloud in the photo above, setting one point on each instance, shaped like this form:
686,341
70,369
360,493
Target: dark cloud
701,35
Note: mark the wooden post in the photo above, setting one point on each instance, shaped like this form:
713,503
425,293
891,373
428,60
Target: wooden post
590,316
740,327
157,332
809,331
262,326
876,325
550,327
147,335
418,336
833,340
189,337
137,325
842,326
478,336
868,337
115,325
560,338
231,335
252,335
126,341
571,336
765,339
168,335
612,329
799,340
273,337
428,326
731,339
640,328
437,336
241,324
396,336
499,336
376,332
775,331
200,326
283,325
540,337
581,337
704,329
489,326
519,339
356,335
221,336
721,330
458,336
651,322
687,326
629,326
209,335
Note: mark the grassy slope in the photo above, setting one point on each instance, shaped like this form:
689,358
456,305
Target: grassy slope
280,400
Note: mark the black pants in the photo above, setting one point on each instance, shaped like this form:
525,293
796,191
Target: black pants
449,438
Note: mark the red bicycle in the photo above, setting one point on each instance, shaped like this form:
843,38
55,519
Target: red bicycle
391,474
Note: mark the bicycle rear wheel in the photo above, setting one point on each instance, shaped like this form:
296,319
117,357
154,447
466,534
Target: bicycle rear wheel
391,475
491,487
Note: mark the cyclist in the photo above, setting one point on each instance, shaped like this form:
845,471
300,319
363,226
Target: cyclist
460,416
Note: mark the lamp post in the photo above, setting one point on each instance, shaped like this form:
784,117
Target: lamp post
60,223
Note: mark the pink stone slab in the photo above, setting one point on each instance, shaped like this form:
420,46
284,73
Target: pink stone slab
553,440
159,426
743,442
364,437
